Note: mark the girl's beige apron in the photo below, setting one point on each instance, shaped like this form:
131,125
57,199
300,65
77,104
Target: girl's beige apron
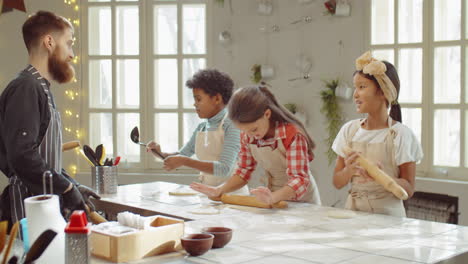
369,196
274,162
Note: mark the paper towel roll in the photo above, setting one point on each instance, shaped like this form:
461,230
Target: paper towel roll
43,212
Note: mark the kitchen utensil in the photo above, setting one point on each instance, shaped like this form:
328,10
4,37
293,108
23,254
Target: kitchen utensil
117,160
197,244
40,245
3,231
104,179
77,250
13,233
89,153
222,235
99,154
47,175
94,216
380,176
250,201
25,234
135,136
86,158
13,260
70,145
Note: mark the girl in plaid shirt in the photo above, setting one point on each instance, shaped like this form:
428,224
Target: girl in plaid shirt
276,140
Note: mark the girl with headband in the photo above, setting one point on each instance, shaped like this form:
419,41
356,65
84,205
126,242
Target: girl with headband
380,137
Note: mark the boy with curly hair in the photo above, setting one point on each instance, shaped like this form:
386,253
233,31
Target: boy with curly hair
216,141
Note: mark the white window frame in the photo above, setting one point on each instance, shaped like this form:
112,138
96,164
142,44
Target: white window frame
146,56
427,106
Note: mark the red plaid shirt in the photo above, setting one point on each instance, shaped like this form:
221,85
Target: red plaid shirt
296,154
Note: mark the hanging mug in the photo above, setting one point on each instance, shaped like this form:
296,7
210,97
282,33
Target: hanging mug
267,71
265,7
342,8
224,37
344,91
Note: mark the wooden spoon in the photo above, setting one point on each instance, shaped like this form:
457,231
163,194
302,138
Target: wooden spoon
3,231
13,233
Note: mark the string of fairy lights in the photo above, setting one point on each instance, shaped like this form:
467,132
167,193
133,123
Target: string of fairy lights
72,115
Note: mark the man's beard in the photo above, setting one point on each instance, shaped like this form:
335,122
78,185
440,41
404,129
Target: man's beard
61,70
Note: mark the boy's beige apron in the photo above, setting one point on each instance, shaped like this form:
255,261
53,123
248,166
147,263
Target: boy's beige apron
208,147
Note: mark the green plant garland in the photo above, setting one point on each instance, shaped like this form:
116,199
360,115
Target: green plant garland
292,107
332,111
256,76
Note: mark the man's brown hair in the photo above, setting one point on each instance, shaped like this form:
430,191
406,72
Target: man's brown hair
40,24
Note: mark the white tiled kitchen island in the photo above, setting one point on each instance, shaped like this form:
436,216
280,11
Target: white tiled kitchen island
302,233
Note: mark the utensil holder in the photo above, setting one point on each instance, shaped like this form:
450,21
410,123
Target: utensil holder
104,179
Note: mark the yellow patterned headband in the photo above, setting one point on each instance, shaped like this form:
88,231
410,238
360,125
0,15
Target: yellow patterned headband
369,65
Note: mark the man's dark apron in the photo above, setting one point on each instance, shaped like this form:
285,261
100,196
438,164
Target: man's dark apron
50,150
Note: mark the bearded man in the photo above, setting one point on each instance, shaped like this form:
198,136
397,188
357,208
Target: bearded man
30,125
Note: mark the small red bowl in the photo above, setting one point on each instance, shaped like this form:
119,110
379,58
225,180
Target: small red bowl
222,235
197,244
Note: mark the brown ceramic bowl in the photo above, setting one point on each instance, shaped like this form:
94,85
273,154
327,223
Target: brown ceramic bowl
222,235
197,244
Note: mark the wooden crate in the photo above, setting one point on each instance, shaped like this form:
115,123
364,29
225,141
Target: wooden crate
164,238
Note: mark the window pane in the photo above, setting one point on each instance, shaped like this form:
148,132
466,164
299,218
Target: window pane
466,21
447,19
166,127
412,119
410,71
194,40
191,122
466,74
127,23
165,81
410,14
447,137
447,75
100,83
99,28
191,66
128,150
165,29
128,83
100,131
382,22
386,54
466,138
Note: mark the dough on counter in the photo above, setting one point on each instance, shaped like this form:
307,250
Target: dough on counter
183,191
341,214
204,211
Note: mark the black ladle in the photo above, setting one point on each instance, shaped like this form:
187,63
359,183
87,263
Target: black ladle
135,136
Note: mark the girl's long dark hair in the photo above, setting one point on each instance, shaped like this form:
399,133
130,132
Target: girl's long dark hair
248,104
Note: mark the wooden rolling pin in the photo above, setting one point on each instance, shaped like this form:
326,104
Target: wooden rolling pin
95,217
70,145
380,176
250,201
